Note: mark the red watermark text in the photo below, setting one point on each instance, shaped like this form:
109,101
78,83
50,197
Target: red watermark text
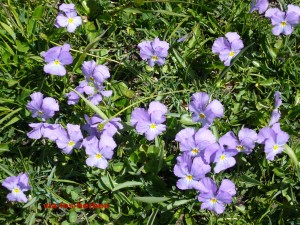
76,205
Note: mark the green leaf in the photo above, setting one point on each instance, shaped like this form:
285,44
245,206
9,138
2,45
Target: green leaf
117,167
178,203
186,119
151,199
22,47
6,170
104,216
250,180
38,12
91,105
73,217
152,217
32,201
9,30
9,115
4,148
51,176
292,155
127,184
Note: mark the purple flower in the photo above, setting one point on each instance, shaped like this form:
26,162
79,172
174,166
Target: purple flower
190,172
244,143
41,130
155,52
228,48
42,107
260,5
95,73
70,20
274,140
150,122
224,159
283,22
204,111
97,127
99,151
67,7
56,58
195,143
69,139
213,199
17,185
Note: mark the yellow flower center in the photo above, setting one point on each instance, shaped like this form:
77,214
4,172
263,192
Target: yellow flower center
231,54
154,57
16,190
71,20
239,147
100,126
56,62
195,151
283,23
202,116
98,156
213,200
153,126
71,143
275,147
222,157
40,112
189,177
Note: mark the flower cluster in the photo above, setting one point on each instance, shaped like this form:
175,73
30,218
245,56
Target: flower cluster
283,22
150,121
272,136
92,86
99,143
17,185
200,148
68,18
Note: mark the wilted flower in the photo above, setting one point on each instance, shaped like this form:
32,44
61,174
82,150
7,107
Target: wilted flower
283,22
150,122
17,185
56,58
95,73
99,151
276,113
244,143
155,52
190,171
95,126
94,93
204,111
68,139
42,107
195,143
260,5
213,199
228,49
274,140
